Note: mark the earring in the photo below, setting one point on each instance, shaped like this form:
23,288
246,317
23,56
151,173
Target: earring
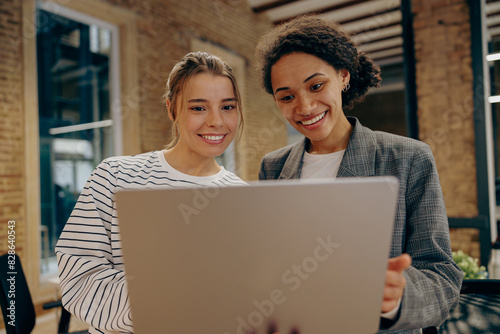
346,87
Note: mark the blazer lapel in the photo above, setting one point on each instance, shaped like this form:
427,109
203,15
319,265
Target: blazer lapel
358,159
293,164
360,154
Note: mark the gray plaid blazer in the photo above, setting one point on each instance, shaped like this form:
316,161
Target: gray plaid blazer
421,228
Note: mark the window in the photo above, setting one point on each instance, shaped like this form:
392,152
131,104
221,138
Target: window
493,58
77,80
383,108
490,16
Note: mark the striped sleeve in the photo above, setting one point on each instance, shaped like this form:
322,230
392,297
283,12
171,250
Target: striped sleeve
89,253
93,288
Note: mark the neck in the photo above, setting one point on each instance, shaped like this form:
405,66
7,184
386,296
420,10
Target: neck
190,163
336,141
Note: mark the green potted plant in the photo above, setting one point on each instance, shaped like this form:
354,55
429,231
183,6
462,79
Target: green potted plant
469,265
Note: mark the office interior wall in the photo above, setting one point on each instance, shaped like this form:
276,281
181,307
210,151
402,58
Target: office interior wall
446,106
12,196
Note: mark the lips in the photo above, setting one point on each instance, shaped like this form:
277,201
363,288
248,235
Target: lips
313,120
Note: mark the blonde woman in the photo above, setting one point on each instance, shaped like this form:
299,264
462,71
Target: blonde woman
204,103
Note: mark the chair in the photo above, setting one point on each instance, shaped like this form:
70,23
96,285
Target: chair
16,303
478,310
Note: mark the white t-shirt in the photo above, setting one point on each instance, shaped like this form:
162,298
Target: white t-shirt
321,166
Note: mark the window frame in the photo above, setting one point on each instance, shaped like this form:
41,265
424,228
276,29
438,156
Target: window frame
127,72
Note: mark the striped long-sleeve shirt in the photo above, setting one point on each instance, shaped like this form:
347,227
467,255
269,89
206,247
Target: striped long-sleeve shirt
89,253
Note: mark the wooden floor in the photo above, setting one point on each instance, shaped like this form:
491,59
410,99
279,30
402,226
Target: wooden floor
47,324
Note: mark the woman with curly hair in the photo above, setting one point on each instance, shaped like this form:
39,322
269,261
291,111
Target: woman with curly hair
314,72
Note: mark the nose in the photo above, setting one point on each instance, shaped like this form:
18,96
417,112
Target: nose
215,119
305,105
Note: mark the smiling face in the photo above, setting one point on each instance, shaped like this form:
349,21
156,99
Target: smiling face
208,119
308,92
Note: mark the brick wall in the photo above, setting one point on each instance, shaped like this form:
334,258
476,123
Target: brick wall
12,195
467,240
445,104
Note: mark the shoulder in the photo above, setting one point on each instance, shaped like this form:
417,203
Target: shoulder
279,154
291,152
274,163
138,160
401,153
388,142
231,179
390,153
129,165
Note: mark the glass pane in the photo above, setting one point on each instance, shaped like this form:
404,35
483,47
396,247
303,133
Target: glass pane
493,39
494,47
383,108
73,80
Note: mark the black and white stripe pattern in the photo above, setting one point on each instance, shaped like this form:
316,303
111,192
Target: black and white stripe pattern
89,253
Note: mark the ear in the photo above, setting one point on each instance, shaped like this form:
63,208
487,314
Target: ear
169,110
346,76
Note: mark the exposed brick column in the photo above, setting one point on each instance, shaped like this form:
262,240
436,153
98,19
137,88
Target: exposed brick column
445,104
12,186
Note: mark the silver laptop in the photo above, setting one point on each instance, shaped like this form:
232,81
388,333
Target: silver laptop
287,256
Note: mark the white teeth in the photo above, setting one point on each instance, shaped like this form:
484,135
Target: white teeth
314,120
213,138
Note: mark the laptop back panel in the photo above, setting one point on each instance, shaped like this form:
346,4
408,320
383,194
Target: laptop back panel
296,255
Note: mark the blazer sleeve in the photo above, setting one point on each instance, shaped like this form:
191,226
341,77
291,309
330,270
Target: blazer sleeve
434,280
92,288
262,171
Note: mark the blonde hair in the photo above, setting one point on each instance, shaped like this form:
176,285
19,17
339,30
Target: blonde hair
192,64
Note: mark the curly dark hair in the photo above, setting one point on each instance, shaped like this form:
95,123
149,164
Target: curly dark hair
325,40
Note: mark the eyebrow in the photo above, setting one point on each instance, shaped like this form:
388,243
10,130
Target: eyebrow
204,100
312,76
306,80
